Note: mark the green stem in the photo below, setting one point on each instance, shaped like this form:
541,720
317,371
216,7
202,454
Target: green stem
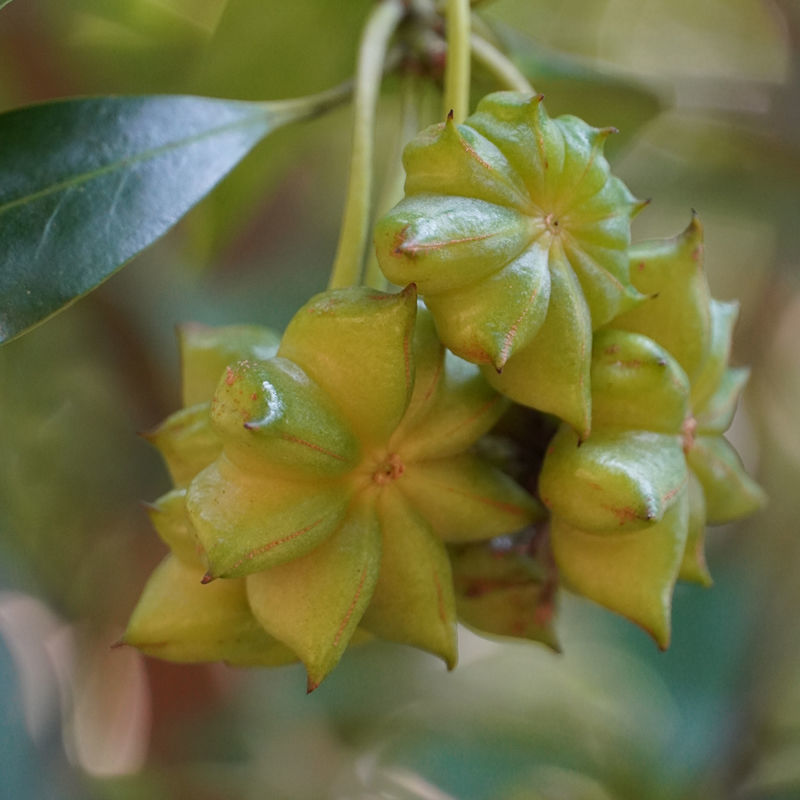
355,225
499,65
392,189
314,105
456,76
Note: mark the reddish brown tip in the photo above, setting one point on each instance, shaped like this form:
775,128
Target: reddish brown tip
207,578
450,115
149,435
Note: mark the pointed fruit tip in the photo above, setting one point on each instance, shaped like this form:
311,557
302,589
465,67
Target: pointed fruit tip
119,643
410,291
450,115
311,685
658,629
640,205
207,578
602,134
148,435
695,227
534,108
705,580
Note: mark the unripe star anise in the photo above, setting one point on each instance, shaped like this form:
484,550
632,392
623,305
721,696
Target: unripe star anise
630,503
316,493
516,234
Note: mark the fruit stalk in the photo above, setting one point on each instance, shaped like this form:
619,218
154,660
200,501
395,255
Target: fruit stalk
457,70
498,64
354,234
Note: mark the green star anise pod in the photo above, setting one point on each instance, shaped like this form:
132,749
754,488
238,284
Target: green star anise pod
507,587
697,330
177,618
630,503
516,235
329,478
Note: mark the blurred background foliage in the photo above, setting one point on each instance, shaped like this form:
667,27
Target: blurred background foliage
706,94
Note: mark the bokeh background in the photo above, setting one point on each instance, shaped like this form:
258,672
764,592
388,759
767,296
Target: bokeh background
706,94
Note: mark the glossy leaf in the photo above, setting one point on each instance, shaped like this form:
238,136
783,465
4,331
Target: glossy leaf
89,183
251,60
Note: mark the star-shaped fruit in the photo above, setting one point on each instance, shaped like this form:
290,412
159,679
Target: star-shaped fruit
507,587
630,503
516,234
330,477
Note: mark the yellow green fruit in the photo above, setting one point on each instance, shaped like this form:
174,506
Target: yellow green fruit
630,503
325,482
516,234
507,589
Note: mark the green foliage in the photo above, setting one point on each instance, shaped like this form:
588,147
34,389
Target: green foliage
93,182
317,489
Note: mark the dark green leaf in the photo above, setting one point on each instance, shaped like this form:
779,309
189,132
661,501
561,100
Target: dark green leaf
87,184
4,3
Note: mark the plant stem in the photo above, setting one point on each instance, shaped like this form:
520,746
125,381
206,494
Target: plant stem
392,189
498,63
380,26
456,76
313,105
